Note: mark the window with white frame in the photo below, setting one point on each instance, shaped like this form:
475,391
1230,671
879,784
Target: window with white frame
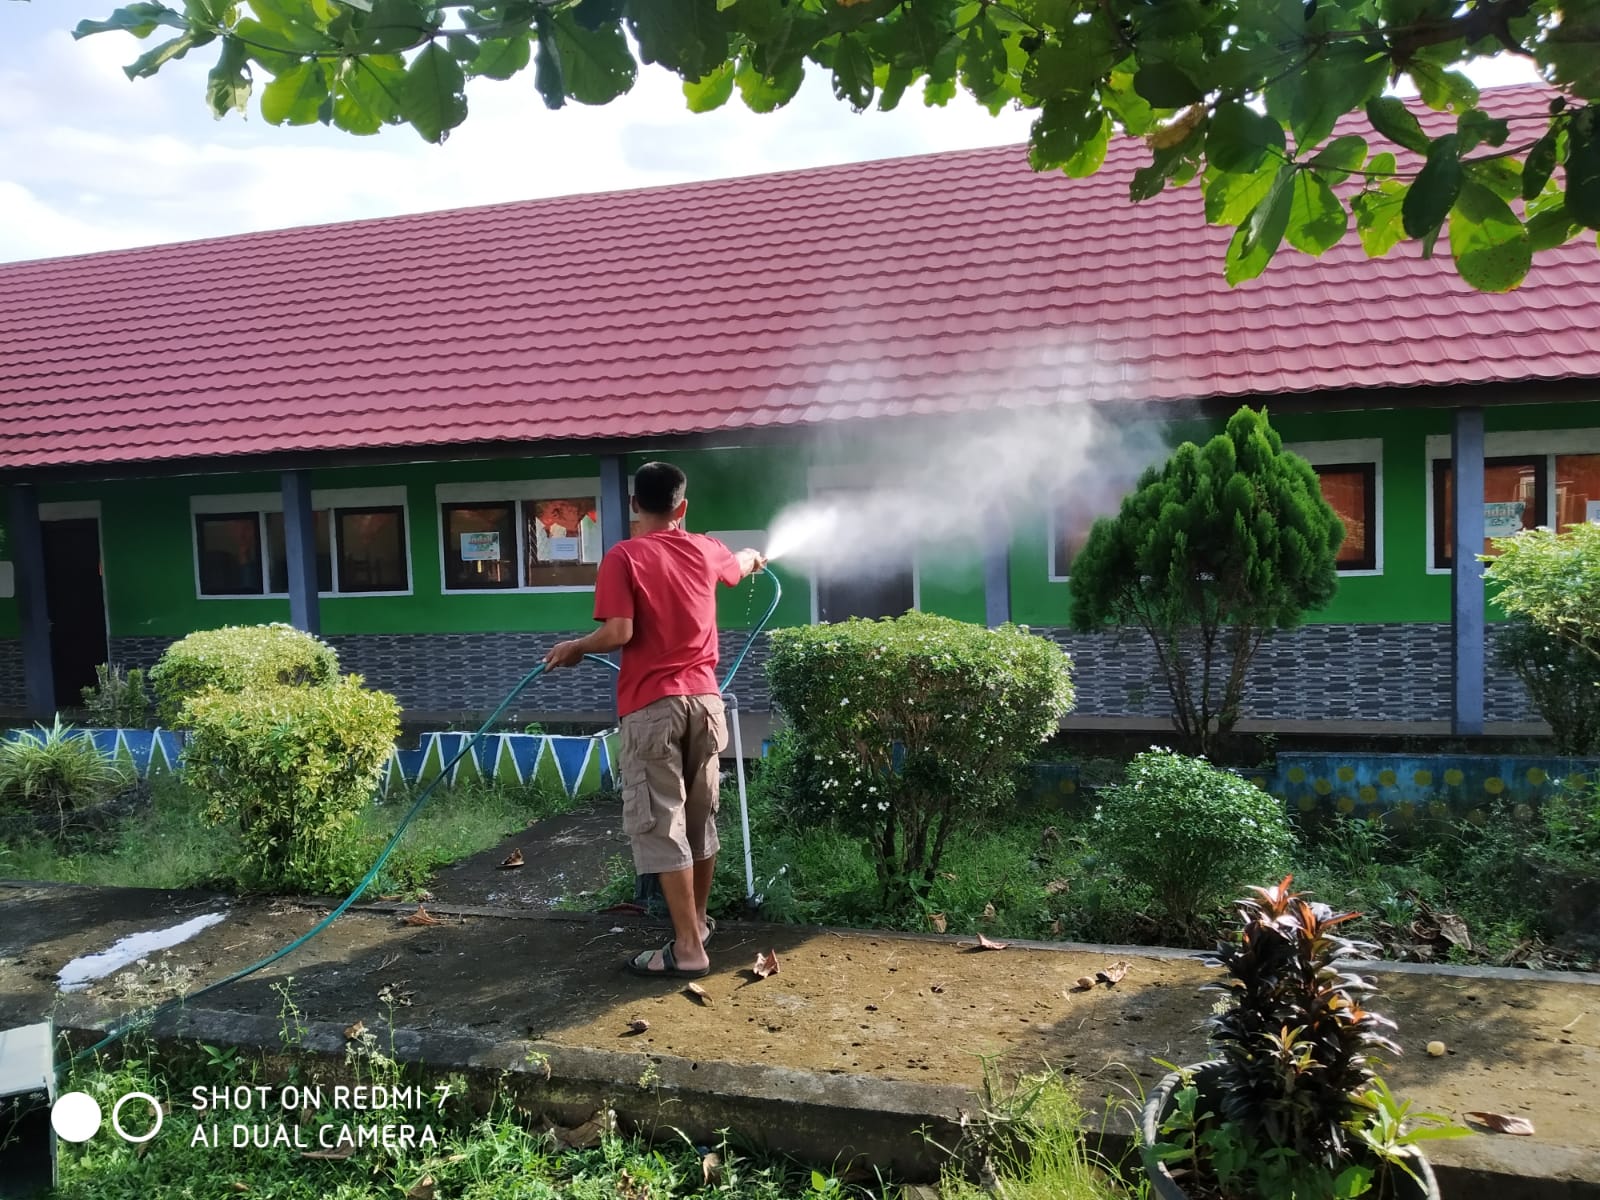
1529,480
1351,476
532,535
241,547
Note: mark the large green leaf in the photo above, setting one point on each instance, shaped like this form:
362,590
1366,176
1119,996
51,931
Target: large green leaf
1230,198
852,72
1435,190
502,57
396,25
433,98
984,66
1238,137
1475,127
1441,89
1378,217
1340,158
712,91
1076,64
1396,122
1258,239
1340,78
1062,131
1491,247
1550,228
228,85
152,61
141,20
686,36
548,80
764,94
1583,168
1539,165
597,63
1317,219
366,92
296,97
1166,85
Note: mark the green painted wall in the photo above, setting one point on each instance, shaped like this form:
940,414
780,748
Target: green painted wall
150,572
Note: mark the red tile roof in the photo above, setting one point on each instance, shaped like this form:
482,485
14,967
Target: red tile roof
908,286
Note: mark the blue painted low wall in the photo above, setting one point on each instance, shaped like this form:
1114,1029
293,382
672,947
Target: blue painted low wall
577,765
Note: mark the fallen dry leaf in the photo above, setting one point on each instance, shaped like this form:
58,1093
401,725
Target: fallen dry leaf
387,899
1453,930
1113,974
766,964
699,993
1084,984
638,1027
1056,886
421,917
1049,835
988,912
1500,1123
947,875
240,1187
1055,927
937,921
986,944
425,897
423,1190
711,1167
586,1136
512,861
338,1155
353,1033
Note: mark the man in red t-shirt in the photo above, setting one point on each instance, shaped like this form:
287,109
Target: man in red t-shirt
656,597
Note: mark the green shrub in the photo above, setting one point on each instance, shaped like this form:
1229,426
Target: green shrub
1562,678
118,700
1191,833
237,657
293,767
904,727
57,772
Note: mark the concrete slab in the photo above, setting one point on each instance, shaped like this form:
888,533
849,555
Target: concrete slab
858,1041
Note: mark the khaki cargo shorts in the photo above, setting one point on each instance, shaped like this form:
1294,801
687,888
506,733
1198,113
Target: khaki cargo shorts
671,781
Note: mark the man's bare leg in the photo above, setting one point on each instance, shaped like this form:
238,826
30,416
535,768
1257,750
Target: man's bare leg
679,889
703,871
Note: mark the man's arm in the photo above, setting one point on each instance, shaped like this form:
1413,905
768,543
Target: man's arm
616,633
750,561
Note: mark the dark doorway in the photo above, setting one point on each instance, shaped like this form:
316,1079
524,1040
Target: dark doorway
77,601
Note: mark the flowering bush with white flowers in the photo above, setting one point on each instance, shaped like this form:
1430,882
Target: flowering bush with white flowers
902,727
1193,834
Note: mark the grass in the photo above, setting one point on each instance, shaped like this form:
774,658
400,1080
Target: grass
1027,1144
172,846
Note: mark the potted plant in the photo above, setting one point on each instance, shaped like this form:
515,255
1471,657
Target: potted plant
1290,1107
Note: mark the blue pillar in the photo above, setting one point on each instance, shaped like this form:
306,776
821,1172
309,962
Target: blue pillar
613,500
997,575
33,605
1467,622
300,548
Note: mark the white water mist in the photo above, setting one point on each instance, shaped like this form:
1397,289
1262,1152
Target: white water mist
948,492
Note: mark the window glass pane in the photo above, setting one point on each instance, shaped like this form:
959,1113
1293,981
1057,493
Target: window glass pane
372,549
1351,492
1513,500
229,546
1075,515
1577,489
563,541
480,545
278,554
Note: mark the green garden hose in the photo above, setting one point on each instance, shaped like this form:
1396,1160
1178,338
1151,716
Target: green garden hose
422,798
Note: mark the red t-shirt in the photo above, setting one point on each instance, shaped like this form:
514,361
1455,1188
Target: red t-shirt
666,582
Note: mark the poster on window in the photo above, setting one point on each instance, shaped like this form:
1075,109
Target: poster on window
1592,512
565,549
480,547
1503,518
589,532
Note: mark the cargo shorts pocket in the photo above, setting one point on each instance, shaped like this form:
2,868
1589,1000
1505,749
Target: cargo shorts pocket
638,810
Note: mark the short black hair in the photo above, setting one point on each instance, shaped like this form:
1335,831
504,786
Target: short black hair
659,488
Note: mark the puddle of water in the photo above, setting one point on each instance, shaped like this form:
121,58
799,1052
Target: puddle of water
84,970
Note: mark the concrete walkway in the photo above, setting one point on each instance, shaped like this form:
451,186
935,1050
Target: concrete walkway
859,1042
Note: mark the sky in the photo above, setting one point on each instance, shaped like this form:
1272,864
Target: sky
91,161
